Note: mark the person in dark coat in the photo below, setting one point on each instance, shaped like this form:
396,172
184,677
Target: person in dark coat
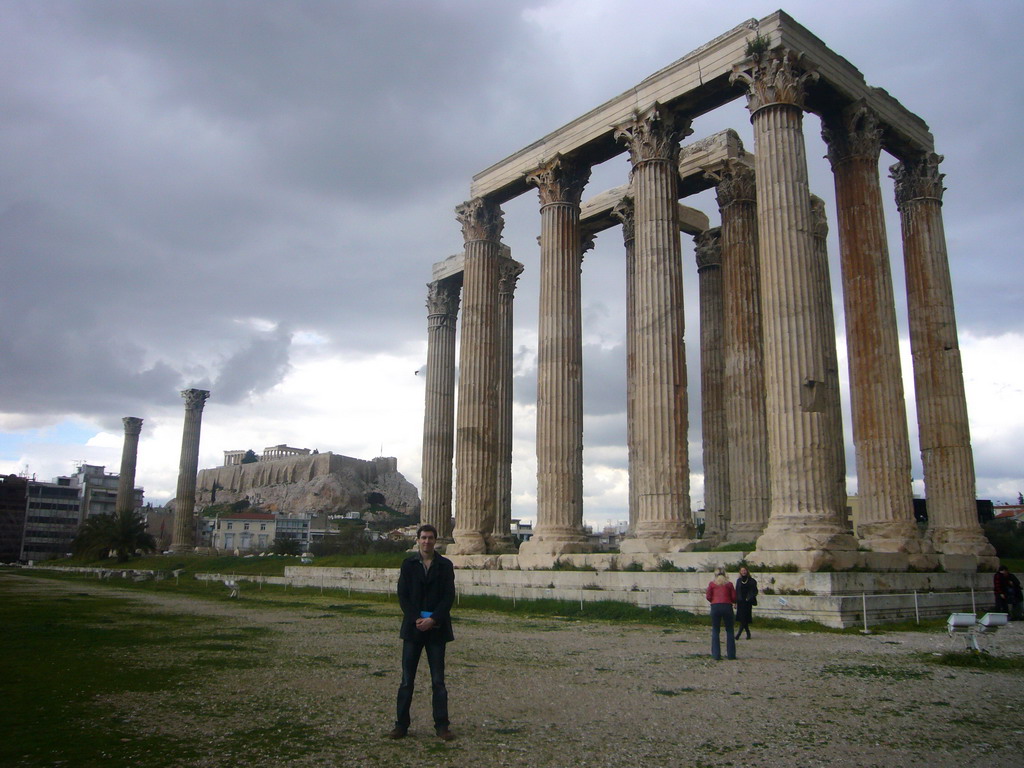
1008,592
426,593
746,599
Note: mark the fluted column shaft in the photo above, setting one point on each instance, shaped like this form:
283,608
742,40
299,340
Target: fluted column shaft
559,525
188,469
802,461
712,375
129,455
880,438
509,272
832,412
747,438
624,212
942,420
476,447
439,408
661,468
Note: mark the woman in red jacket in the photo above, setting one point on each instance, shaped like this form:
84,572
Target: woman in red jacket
722,595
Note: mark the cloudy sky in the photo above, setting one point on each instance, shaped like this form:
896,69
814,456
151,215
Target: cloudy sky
247,197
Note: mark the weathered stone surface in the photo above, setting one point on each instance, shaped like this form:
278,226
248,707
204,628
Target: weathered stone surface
185,496
323,483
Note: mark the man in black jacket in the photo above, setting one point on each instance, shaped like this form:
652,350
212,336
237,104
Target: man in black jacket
426,592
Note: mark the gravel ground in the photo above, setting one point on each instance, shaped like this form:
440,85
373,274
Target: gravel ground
544,692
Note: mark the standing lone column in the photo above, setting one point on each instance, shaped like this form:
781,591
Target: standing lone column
747,438
660,470
508,275
476,439
938,372
129,455
803,527
188,468
439,410
559,526
624,212
712,391
882,445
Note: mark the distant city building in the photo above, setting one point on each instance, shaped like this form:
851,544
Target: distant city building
244,531
297,527
38,521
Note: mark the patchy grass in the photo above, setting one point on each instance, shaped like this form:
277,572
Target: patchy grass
979,661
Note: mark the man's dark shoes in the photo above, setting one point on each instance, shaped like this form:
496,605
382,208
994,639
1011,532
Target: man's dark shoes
397,733
445,735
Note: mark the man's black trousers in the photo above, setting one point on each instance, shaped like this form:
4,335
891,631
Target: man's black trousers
411,651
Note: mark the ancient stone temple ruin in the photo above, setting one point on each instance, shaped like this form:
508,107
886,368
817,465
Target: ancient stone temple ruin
772,429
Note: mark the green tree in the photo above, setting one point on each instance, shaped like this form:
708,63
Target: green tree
120,535
250,457
286,546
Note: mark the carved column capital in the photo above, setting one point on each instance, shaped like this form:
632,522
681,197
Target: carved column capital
560,180
918,178
443,298
132,425
625,212
735,183
481,219
654,134
709,248
779,76
819,218
508,275
195,399
854,133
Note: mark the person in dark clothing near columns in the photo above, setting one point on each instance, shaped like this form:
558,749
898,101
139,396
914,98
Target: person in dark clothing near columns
426,592
746,599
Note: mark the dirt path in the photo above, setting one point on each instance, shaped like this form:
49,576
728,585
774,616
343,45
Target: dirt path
544,692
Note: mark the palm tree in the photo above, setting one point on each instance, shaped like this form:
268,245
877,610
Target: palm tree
117,534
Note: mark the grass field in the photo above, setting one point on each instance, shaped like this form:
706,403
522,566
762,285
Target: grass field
159,674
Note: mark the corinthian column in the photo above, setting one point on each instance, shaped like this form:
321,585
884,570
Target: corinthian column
439,410
832,413
559,527
129,454
747,439
624,212
885,498
803,526
476,444
508,275
712,370
938,373
188,468
661,468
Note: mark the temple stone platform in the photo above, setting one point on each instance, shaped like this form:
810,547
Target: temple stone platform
834,599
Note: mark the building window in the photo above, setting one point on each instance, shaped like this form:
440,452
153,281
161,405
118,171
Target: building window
246,527
263,526
229,526
263,541
229,540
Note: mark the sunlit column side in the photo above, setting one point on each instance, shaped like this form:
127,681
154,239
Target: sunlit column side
803,525
660,468
832,412
508,275
476,439
624,211
129,456
559,525
439,408
712,371
880,438
747,438
942,421
188,468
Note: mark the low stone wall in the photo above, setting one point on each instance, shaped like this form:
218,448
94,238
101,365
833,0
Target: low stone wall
832,599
